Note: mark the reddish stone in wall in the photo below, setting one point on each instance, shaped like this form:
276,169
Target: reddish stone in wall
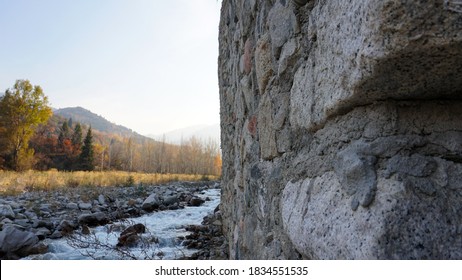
252,126
248,53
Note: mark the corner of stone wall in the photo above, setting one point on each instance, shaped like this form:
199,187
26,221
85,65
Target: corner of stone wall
341,129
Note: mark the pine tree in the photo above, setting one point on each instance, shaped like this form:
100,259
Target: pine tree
64,133
77,136
76,142
87,155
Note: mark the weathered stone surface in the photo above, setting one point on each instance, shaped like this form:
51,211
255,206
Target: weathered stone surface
341,129
266,131
282,25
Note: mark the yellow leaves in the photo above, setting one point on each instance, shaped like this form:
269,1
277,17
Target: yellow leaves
22,109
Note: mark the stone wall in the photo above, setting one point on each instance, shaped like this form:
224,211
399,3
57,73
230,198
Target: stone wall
341,128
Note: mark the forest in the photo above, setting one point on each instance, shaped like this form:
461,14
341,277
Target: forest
31,137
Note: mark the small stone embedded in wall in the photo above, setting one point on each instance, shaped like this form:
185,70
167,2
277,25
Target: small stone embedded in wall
248,55
252,126
263,63
357,176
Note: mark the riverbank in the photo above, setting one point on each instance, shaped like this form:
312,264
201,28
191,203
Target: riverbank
13,183
28,220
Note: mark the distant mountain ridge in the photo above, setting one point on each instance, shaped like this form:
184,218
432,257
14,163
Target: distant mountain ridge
202,132
99,123
84,116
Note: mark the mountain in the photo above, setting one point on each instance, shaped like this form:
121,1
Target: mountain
202,132
84,116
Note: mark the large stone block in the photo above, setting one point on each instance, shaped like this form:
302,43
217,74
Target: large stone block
377,50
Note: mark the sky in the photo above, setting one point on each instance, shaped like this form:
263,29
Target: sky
149,65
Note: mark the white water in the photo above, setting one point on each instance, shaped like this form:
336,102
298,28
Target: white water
165,226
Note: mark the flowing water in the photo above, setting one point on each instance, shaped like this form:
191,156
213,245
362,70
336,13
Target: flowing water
162,239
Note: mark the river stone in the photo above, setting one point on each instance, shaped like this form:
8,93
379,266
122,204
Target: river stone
94,219
38,249
170,200
45,207
101,199
72,205
20,216
151,203
42,232
85,206
15,243
85,230
129,237
31,215
56,235
7,211
7,221
13,204
66,227
196,201
23,222
42,223
129,203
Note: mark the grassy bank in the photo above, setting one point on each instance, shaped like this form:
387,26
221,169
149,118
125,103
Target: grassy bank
17,182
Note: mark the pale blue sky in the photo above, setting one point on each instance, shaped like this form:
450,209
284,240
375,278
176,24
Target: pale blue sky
150,65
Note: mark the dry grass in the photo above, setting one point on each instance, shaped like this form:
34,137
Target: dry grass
17,182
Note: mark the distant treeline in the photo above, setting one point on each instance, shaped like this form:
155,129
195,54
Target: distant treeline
56,147
31,137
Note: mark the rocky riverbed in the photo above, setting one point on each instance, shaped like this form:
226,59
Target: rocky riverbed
208,239
29,220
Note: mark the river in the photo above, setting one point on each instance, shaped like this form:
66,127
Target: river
162,240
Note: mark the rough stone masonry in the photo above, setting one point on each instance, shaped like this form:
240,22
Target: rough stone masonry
341,128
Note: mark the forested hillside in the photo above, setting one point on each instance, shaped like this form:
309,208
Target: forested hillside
84,116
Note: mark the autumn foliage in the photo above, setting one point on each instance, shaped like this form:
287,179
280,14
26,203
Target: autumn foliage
22,109
52,142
